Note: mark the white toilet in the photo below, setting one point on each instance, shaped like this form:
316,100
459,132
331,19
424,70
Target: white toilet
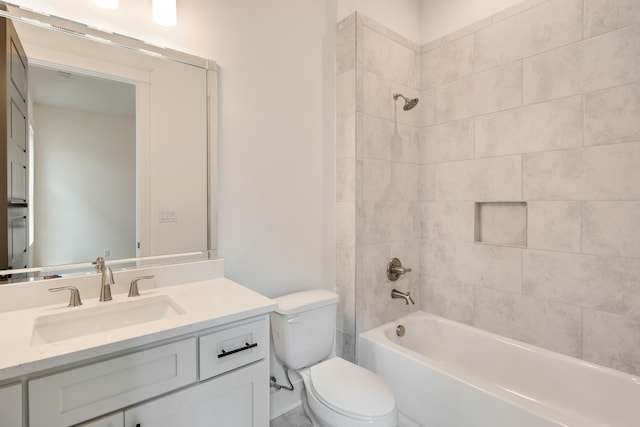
337,392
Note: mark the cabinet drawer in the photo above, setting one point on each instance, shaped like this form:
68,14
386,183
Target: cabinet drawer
11,405
87,392
230,348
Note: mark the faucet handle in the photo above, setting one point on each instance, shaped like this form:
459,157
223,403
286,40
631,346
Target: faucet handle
395,269
133,288
74,297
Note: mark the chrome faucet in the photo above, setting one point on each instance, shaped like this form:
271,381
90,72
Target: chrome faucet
404,295
107,279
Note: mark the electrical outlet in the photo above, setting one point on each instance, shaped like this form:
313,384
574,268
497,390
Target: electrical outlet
107,252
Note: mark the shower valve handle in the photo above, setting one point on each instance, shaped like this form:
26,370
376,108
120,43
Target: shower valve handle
395,269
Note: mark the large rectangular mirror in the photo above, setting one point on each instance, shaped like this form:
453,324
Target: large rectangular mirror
109,149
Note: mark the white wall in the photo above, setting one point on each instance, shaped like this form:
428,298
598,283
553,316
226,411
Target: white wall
401,16
276,131
441,17
72,216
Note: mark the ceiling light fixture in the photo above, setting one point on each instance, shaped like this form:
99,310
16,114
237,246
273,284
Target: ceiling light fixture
107,4
164,12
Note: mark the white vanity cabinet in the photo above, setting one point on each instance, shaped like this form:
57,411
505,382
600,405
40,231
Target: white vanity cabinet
217,376
11,405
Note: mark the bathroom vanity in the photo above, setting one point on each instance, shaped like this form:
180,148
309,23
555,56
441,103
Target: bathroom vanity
193,354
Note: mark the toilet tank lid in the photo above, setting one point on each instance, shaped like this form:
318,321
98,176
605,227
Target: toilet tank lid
304,301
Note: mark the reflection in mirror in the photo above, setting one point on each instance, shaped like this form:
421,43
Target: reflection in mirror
117,152
83,147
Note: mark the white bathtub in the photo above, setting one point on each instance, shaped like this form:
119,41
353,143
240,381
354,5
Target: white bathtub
446,374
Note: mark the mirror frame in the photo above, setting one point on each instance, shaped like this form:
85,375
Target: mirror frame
55,23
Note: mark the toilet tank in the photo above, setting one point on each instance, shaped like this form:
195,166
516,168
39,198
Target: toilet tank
303,327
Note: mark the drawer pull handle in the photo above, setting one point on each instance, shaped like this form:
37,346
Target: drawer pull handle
247,346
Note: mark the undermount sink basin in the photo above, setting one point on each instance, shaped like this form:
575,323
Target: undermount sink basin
103,318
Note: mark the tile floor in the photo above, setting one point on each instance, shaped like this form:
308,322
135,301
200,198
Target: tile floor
293,418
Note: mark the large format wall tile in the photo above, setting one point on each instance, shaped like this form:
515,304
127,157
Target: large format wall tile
405,144
602,283
448,221
451,300
426,183
345,224
377,96
611,228
554,226
493,179
346,266
546,126
346,93
427,106
389,181
547,324
427,259
601,62
447,63
345,180
601,16
447,142
612,116
346,136
612,340
495,267
487,92
376,177
387,221
388,58
377,135
608,172
547,26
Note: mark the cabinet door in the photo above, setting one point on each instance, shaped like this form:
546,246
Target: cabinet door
238,399
11,406
113,420
83,393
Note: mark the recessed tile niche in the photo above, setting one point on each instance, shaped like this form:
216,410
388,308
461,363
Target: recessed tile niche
501,223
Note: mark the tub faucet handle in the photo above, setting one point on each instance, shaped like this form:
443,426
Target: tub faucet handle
395,269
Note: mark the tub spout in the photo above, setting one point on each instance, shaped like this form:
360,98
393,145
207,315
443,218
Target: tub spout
404,295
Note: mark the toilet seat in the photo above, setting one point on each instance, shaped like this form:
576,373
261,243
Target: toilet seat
352,391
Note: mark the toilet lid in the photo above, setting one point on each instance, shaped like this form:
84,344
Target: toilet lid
351,389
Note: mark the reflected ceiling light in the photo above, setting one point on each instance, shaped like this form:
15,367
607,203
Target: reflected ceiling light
164,12
107,4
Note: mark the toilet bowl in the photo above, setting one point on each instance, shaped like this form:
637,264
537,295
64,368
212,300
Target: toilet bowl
337,393
340,394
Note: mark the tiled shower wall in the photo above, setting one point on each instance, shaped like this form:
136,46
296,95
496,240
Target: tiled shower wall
537,104
378,170
541,104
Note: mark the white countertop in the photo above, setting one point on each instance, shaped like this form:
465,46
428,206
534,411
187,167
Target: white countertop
206,304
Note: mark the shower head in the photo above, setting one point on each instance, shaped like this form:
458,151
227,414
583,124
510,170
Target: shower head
409,103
